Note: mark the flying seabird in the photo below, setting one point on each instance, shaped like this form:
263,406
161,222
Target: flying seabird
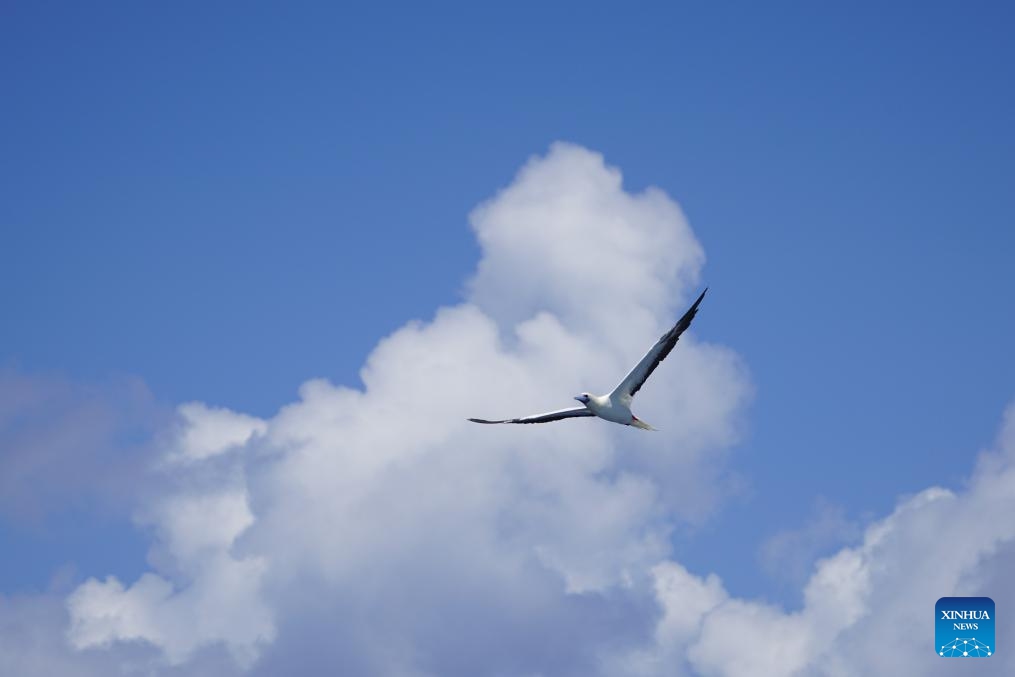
616,407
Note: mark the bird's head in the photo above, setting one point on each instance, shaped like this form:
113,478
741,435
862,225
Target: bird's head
584,398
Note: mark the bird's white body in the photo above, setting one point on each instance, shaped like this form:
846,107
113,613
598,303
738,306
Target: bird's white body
612,410
616,407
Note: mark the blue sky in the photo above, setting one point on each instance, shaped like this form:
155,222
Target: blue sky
221,203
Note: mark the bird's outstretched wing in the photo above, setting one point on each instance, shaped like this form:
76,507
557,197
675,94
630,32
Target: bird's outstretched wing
542,418
636,379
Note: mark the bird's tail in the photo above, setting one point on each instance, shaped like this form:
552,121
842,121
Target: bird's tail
638,423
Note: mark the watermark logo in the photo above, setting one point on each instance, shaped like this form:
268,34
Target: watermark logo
964,627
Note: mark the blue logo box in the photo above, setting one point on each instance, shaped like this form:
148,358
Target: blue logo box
964,627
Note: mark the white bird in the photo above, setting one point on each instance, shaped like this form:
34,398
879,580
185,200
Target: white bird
616,407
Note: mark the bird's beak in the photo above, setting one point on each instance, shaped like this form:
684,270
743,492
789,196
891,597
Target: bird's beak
579,399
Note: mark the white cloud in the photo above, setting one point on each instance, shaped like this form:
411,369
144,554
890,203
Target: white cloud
32,642
220,601
416,523
866,609
566,238
208,431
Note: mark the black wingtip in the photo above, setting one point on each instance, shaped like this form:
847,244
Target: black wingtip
693,310
480,420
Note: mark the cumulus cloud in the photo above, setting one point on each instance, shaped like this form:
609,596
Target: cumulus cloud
218,598
207,431
33,644
866,609
427,532
566,238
